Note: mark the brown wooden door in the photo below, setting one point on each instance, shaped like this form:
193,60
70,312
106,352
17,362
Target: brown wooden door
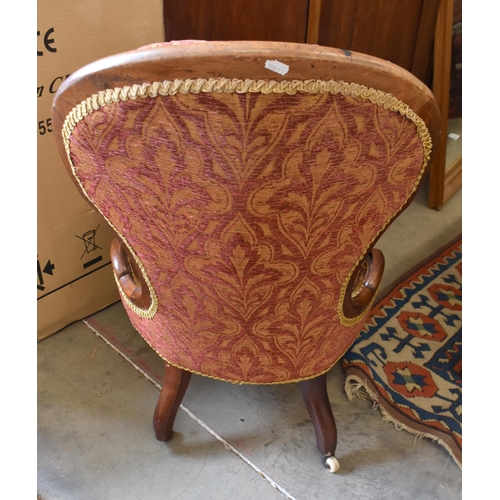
400,31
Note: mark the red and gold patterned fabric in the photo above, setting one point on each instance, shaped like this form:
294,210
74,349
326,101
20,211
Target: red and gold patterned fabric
247,213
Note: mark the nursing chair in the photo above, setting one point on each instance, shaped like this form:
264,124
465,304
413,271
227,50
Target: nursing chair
247,183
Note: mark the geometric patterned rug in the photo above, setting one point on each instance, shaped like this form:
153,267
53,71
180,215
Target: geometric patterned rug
408,359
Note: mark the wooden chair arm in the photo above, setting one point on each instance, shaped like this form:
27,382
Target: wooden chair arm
128,274
368,279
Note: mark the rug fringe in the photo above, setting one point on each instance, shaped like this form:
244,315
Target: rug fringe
355,387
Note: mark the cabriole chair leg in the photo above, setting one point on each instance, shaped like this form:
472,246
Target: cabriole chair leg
174,387
317,402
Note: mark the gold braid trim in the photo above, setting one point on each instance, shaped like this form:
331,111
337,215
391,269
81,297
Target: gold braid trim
226,85
222,379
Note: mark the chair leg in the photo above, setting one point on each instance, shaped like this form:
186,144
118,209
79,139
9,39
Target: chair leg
315,396
174,387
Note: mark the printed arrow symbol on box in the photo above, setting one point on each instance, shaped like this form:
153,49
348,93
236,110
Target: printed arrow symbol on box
49,267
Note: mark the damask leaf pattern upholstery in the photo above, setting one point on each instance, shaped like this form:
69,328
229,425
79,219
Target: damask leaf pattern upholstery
248,213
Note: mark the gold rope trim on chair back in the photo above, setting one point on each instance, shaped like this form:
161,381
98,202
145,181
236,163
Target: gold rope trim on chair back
225,85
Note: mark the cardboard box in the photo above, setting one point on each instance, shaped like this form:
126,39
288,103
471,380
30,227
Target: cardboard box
74,276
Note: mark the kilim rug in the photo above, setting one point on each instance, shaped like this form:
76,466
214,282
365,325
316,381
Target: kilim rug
408,358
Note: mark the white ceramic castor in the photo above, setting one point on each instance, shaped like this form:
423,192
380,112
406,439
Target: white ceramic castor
332,464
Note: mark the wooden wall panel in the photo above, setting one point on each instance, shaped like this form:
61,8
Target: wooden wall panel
283,20
400,31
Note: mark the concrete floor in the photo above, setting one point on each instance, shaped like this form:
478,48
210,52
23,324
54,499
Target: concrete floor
96,401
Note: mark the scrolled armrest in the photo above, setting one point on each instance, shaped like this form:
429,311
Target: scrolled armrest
129,275
364,284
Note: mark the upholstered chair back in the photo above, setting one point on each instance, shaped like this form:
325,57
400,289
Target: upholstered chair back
246,202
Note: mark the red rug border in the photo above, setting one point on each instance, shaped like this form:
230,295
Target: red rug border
390,288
